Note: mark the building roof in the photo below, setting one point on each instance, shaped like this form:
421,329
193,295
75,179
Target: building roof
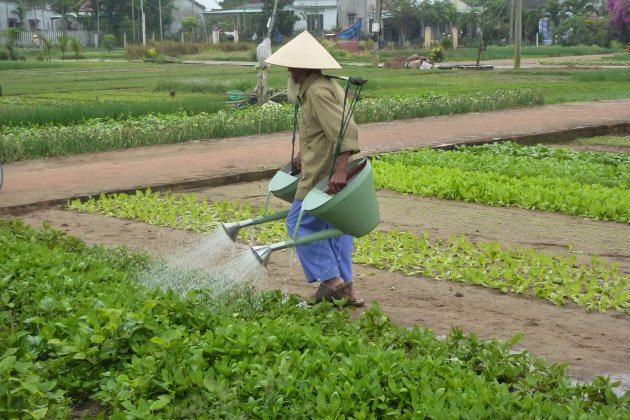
210,4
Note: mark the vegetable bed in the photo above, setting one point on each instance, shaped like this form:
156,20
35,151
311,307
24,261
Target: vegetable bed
89,332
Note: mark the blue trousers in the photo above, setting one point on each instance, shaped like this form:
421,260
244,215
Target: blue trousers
324,259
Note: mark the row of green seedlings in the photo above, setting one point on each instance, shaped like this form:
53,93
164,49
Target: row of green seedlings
34,113
596,286
590,184
18,143
79,330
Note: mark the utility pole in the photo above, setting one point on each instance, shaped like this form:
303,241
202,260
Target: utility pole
511,33
272,20
376,32
144,25
160,10
518,33
261,84
133,20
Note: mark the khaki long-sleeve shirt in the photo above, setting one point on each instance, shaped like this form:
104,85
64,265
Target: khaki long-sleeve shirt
321,109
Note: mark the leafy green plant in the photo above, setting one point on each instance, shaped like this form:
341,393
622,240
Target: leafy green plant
62,43
555,278
595,185
109,42
76,48
152,53
89,331
47,48
437,54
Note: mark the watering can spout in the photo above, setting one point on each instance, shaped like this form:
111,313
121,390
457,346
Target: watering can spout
262,253
231,229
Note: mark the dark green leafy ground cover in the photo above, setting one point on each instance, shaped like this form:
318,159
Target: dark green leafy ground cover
596,286
75,326
590,184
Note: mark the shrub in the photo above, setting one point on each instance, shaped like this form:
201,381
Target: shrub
109,41
234,47
62,42
446,43
47,47
176,49
76,48
437,55
135,51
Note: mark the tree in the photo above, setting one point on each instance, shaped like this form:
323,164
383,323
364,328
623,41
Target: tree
47,47
114,15
109,41
76,48
438,14
404,16
584,30
63,7
20,13
12,36
189,24
62,42
620,17
284,18
530,25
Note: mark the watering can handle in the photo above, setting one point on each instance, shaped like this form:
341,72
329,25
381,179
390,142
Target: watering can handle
352,172
352,80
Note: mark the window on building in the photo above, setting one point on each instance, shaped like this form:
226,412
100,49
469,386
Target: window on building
314,23
352,17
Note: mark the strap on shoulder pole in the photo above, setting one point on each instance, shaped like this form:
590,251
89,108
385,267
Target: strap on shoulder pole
295,117
345,118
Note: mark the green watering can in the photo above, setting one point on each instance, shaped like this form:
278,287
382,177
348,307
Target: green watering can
353,210
283,185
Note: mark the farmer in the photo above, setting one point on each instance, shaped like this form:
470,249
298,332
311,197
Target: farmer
329,261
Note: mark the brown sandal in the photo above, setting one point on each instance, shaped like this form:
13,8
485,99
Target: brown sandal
342,292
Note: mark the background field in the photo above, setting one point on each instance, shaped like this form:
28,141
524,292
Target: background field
67,93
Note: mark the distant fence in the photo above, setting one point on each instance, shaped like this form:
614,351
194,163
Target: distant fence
34,38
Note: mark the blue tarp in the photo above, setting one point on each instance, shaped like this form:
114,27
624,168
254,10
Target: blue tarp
352,32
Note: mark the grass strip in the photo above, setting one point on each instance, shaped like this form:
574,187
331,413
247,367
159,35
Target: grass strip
612,75
77,328
606,140
70,112
595,286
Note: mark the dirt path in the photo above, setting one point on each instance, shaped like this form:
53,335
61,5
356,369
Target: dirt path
218,162
593,344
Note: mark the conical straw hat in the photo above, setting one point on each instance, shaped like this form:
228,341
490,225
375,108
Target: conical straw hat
303,52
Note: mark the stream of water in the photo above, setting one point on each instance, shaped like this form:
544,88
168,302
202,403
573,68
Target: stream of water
214,263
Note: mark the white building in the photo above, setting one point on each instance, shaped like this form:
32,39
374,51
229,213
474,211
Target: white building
316,16
36,19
